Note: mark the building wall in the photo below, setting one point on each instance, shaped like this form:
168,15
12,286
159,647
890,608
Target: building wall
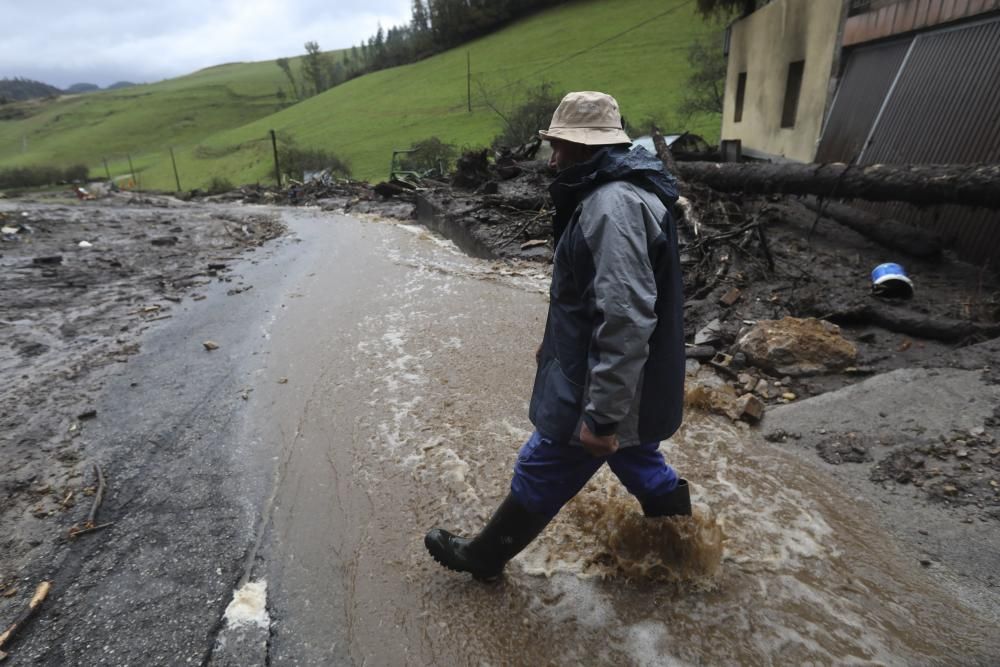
925,98
762,45
885,19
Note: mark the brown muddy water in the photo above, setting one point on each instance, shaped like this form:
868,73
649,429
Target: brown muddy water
394,398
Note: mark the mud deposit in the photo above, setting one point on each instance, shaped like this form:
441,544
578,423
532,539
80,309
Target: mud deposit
81,282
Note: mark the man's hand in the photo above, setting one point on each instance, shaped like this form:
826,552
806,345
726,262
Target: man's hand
598,446
538,354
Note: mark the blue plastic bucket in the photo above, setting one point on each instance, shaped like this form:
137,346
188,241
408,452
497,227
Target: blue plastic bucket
890,280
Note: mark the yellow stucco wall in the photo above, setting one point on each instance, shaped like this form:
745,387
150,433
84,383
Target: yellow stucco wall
763,45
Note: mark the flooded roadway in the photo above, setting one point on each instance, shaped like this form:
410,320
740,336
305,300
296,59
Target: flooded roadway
394,398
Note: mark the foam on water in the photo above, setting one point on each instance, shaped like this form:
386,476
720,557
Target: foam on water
249,606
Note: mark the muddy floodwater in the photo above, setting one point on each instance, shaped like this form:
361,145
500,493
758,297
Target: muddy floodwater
393,398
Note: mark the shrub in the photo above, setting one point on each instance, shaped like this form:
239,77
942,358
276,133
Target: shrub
39,175
429,157
524,119
218,185
295,161
77,173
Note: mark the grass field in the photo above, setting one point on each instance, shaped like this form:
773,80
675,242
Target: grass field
218,119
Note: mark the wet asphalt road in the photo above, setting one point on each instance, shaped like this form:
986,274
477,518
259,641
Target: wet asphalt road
333,426
252,463
184,487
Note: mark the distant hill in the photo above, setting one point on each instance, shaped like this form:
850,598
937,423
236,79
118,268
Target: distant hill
120,84
218,120
77,88
16,89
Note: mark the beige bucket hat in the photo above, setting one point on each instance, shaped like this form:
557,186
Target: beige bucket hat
589,118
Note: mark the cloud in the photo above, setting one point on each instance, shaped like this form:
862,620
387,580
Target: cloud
62,42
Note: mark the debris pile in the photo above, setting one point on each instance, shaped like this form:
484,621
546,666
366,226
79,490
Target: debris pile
779,301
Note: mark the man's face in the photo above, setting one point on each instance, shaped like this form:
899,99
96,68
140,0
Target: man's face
565,154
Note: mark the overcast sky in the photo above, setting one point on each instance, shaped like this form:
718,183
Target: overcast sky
62,42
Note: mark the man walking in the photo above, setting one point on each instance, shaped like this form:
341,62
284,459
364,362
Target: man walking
610,380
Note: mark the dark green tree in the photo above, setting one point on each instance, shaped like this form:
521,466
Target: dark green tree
707,81
314,68
421,19
286,67
726,8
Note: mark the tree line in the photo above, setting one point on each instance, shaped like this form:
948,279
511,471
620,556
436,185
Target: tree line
16,89
435,26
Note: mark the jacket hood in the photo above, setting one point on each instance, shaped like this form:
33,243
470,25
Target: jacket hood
612,163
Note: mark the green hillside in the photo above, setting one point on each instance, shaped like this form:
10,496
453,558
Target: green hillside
633,49
142,120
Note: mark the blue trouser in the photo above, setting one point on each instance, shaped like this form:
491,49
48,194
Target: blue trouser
548,474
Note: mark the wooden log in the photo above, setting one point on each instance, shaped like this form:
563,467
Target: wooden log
922,185
889,233
663,152
36,600
914,324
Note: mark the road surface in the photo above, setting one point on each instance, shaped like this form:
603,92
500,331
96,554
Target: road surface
374,383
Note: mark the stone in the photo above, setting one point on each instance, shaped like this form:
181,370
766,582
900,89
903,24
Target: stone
699,352
794,346
709,334
747,408
730,297
211,345
763,389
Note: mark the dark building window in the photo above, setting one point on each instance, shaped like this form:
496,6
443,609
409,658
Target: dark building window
792,87
741,91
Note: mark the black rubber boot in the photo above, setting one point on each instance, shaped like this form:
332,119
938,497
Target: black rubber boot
675,503
510,530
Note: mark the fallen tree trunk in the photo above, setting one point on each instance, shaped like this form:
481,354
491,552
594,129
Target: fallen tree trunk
923,185
889,233
914,324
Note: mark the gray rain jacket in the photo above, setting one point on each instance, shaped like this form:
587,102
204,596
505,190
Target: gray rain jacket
613,351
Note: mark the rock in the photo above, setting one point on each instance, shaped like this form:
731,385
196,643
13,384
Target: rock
700,352
47,261
730,297
842,451
748,408
164,241
788,396
763,389
211,345
709,333
794,346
